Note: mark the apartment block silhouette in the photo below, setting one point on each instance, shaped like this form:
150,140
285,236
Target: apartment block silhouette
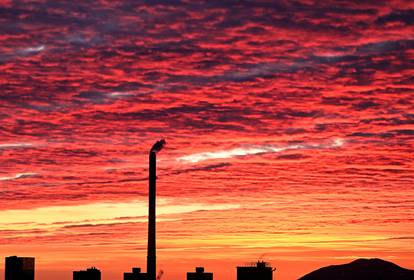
256,271
19,268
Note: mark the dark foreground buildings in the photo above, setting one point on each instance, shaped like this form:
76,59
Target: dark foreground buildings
89,274
199,274
19,268
257,271
136,274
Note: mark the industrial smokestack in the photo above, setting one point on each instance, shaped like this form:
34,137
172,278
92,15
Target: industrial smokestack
151,255
157,146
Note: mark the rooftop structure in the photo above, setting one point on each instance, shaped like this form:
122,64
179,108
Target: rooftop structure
199,274
136,274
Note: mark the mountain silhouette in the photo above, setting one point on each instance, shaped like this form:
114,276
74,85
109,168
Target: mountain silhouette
362,269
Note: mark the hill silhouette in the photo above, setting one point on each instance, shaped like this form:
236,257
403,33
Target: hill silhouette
362,269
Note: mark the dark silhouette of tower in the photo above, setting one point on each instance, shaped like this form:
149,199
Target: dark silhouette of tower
199,274
136,274
257,271
151,254
89,274
19,268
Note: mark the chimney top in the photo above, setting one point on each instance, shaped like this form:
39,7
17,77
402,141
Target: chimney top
158,146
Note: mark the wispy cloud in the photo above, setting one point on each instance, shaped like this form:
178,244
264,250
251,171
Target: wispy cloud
8,55
18,176
15,146
256,149
32,50
120,94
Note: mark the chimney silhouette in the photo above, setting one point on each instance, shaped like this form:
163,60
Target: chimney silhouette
151,253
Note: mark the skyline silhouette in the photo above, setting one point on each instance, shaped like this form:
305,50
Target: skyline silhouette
289,128
22,268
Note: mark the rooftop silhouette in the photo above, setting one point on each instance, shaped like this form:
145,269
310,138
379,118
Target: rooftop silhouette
89,274
136,274
199,274
19,268
258,271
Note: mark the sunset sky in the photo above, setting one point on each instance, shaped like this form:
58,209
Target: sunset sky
289,129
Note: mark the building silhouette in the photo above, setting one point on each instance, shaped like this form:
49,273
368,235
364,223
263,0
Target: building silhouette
19,268
256,271
199,274
89,274
136,274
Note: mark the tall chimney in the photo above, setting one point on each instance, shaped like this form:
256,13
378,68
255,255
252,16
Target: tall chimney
151,253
